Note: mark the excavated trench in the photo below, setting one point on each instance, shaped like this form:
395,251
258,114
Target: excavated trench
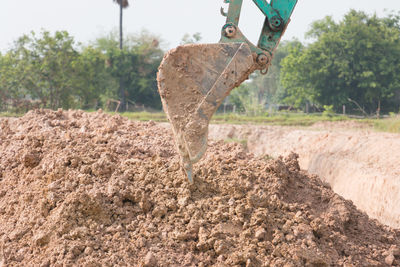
359,164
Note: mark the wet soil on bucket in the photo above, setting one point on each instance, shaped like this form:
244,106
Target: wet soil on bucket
90,189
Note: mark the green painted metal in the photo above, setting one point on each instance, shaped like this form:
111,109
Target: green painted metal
277,16
265,8
284,8
235,7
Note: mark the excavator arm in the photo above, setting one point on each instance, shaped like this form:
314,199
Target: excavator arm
194,79
277,17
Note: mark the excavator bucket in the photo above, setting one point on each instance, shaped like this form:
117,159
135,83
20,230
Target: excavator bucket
193,80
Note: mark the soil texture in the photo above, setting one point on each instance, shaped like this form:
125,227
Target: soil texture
90,189
358,163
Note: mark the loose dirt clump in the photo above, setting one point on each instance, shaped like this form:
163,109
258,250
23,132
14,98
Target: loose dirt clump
91,189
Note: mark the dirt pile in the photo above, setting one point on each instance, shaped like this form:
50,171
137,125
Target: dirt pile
359,164
99,190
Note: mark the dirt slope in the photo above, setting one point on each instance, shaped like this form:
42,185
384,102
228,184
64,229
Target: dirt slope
79,189
359,164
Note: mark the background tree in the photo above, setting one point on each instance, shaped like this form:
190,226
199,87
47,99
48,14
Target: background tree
296,90
10,91
262,92
42,67
122,4
95,81
135,65
357,58
51,71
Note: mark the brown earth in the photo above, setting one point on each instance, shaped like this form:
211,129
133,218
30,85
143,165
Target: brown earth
358,163
80,189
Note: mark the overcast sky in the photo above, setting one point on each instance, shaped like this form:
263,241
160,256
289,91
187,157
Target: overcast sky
171,19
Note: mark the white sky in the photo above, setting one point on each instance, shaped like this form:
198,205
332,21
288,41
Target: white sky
171,19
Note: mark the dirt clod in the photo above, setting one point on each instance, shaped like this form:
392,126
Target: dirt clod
31,159
105,191
150,260
389,260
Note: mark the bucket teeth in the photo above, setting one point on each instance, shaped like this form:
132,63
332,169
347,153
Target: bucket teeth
193,80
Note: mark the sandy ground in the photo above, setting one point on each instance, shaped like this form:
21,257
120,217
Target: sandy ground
359,164
89,189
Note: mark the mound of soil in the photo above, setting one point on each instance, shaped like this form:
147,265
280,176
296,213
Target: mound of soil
359,164
91,189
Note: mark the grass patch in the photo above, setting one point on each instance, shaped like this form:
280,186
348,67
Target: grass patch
11,114
295,119
391,125
144,116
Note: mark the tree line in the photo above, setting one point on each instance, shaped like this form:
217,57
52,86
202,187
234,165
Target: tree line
352,63
52,71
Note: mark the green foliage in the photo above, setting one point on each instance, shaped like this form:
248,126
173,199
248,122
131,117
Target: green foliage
357,58
246,98
391,124
353,62
271,81
253,97
96,81
51,71
328,110
7,79
40,68
294,80
135,66
11,114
